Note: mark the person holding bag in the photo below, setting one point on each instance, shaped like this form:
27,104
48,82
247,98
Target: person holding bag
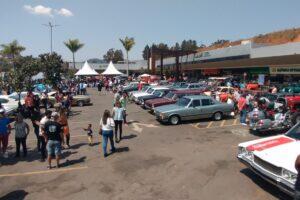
106,130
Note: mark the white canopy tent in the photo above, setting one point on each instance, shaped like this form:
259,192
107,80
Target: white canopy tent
111,70
86,70
38,76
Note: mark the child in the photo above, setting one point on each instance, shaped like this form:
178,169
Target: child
89,134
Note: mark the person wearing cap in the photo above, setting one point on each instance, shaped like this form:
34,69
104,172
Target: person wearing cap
4,132
42,123
53,134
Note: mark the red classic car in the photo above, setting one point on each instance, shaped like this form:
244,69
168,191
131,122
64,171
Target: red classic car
170,98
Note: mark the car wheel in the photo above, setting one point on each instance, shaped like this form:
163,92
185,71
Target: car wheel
174,120
80,103
217,116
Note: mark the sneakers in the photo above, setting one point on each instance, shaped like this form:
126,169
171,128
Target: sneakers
5,155
244,124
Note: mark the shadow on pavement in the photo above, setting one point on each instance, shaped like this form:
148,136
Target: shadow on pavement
128,137
132,121
273,190
73,162
15,195
77,146
122,149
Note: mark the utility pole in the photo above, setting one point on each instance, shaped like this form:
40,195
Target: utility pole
51,26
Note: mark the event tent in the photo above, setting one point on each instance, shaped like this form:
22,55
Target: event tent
111,70
86,70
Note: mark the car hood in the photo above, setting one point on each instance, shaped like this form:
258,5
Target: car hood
150,96
282,156
140,94
168,108
158,100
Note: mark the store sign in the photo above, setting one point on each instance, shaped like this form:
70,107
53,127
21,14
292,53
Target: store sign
285,70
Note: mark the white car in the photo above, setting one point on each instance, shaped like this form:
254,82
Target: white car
149,91
273,158
10,105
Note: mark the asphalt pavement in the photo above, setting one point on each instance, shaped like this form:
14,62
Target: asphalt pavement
194,160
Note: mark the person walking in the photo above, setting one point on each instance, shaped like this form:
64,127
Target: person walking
106,130
123,101
118,116
21,132
42,123
242,106
4,133
63,121
44,100
53,134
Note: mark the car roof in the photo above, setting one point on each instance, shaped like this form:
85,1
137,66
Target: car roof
187,91
198,97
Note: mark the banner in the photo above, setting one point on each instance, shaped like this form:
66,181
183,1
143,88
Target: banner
285,70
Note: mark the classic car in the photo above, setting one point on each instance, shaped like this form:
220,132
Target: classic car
191,108
170,98
10,105
77,100
149,91
291,89
133,93
273,158
156,94
191,86
132,86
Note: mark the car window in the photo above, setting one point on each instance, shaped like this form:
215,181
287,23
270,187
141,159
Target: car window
294,132
150,91
3,100
191,86
183,101
196,103
206,102
197,86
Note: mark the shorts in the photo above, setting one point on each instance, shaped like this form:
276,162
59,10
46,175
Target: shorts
54,147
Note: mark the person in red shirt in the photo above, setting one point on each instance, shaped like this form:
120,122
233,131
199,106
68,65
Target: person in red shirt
242,106
29,102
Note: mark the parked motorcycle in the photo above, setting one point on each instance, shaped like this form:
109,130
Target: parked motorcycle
259,123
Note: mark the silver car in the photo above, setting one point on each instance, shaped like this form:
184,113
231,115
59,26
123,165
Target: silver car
191,108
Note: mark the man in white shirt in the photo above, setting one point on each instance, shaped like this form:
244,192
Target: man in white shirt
43,121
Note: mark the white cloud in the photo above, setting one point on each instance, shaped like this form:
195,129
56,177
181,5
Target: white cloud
64,12
39,10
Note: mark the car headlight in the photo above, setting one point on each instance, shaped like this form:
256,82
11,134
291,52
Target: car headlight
288,175
244,152
162,116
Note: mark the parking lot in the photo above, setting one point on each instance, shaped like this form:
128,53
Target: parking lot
194,160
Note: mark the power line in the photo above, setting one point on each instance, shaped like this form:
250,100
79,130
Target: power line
51,26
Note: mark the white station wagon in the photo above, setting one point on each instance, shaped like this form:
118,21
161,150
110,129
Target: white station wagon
273,158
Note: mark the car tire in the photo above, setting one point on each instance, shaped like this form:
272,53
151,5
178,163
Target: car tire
218,116
80,103
174,120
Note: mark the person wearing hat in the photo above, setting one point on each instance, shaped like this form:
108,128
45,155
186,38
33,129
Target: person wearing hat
4,132
53,134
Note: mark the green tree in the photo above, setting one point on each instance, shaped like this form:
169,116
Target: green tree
52,67
73,45
220,42
176,47
113,55
189,45
20,78
12,50
146,52
127,43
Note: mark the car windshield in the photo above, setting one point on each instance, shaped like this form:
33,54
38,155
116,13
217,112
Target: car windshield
145,88
150,91
170,95
294,132
183,102
184,85
157,93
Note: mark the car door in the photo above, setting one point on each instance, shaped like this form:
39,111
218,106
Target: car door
193,110
207,108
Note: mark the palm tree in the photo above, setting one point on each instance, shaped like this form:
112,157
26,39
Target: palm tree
73,45
127,43
11,50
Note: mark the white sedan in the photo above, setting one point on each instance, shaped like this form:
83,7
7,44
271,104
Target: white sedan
10,105
273,158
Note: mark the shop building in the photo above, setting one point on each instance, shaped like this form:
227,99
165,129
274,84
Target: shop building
277,62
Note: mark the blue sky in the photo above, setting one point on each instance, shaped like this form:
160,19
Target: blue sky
100,23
